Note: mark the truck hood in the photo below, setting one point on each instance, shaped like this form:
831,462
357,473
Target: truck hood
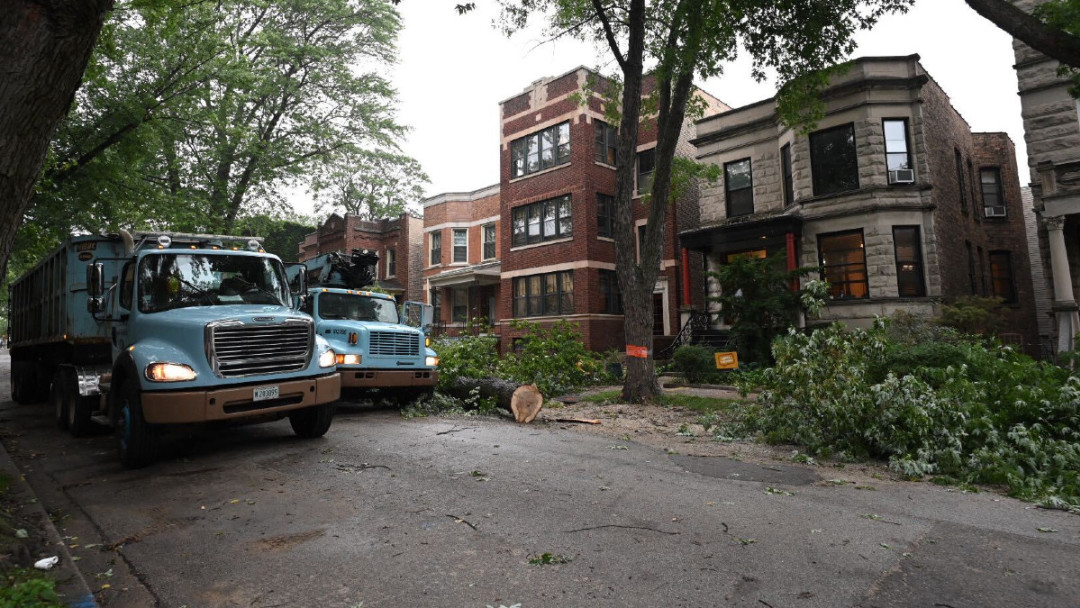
192,317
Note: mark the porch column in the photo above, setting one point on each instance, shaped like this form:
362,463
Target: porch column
1065,309
792,258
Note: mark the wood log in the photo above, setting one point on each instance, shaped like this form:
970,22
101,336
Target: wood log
524,401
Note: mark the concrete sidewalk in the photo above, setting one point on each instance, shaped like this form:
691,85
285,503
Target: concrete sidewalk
70,584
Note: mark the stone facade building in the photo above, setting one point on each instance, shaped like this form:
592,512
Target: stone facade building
398,242
1052,132
891,194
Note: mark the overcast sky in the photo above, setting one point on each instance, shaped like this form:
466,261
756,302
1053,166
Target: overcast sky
454,70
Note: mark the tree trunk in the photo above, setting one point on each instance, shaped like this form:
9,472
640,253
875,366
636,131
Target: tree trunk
640,382
522,400
44,48
1030,30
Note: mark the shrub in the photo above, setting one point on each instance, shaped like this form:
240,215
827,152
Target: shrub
974,315
466,356
554,358
975,413
695,363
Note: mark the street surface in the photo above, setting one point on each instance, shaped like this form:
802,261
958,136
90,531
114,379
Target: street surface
387,512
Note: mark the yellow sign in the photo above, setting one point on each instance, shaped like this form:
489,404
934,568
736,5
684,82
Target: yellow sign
727,360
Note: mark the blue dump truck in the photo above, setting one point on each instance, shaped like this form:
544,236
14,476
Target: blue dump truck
381,351
145,332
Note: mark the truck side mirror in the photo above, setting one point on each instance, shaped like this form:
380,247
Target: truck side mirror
95,286
298,284
417,314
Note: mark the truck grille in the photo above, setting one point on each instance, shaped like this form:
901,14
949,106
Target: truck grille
395,344
236,349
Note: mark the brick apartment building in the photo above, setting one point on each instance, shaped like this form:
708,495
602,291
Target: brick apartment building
892,194
1052,131
460,258
539,245
398,242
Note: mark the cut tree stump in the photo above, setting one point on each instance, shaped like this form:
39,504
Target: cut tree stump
524,401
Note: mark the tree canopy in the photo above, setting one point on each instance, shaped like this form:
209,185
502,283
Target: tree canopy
192,116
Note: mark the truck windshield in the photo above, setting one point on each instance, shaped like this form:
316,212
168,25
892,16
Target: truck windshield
356,308
168,281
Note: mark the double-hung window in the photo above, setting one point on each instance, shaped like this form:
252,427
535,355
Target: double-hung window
1001,275
542,221
739,188
541,150
843,262
785,167
461,245
606,143
489,241
391,263
610,297
909,266
646,164
436,248
543,295
833,160
960,181
897,154
605,215
993,202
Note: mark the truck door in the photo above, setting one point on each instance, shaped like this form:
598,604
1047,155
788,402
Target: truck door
118,326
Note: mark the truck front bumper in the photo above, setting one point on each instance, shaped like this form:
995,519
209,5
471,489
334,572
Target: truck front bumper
179,407
382,378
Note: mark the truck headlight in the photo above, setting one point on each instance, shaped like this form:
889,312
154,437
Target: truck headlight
349,359
169,372
431,361
327,358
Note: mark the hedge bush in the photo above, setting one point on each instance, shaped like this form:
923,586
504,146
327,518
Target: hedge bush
977,413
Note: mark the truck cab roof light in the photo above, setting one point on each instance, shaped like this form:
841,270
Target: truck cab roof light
253,245
164,241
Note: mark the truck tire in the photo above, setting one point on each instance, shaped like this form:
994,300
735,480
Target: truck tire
79,408
59,399
312,422
135,439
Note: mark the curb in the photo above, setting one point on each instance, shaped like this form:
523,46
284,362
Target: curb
71,586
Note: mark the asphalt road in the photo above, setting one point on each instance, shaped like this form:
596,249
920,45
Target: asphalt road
448,512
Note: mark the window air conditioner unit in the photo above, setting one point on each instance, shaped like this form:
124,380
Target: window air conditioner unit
995,211
902,176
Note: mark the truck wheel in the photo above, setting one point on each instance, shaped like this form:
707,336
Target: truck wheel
79,410
59,399
312,422
134,436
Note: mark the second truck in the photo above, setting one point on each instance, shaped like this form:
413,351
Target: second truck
381,351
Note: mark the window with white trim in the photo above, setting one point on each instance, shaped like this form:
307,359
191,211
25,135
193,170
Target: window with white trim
461,245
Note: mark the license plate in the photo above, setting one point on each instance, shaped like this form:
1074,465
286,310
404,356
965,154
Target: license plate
265,392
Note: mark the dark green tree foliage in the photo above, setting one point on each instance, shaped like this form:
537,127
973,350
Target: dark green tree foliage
280,237
758,301
192,116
